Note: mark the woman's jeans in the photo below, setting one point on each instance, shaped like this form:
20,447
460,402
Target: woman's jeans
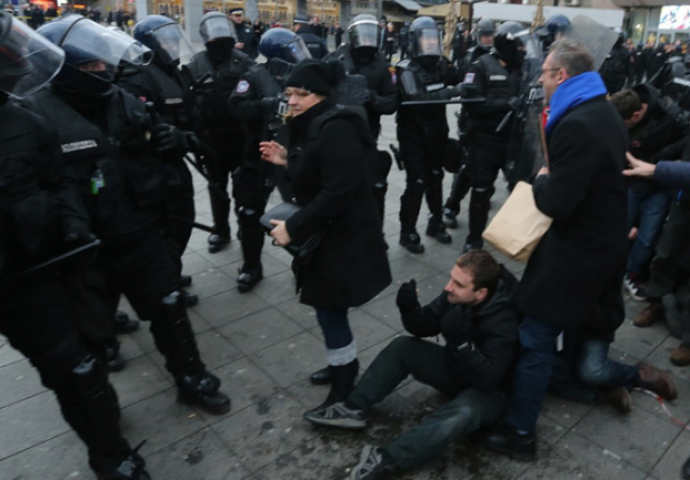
340,344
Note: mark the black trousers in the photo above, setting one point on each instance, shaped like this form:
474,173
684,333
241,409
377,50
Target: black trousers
256,183
39,321
486,160
224,166
469,409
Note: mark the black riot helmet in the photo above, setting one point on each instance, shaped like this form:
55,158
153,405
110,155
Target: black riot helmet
485,28
166,38
364,32
425,39
555,25
621,37
218,34
93,54
27,60
509,43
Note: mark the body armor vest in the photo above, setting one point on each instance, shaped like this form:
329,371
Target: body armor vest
430,118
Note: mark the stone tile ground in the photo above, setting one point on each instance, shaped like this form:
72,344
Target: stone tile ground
264,345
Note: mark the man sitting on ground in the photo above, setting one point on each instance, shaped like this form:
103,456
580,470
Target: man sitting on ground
480,327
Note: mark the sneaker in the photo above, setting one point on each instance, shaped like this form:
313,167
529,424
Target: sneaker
633,287
374,464
337,415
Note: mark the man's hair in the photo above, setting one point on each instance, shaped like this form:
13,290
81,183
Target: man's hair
485,270
572,55
627,102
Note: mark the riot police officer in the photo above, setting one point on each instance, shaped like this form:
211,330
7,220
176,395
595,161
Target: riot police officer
216,72
166,86
497,77
485,39
121,155
361,56
247,40
259,103
618,66
423,131
41,216
673,67
554,29
312,39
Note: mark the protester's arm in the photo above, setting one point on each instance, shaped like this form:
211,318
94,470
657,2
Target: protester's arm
421,321
672,174
574,162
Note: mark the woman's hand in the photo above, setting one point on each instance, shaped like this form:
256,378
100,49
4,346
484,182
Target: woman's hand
639,168
273,152
280,235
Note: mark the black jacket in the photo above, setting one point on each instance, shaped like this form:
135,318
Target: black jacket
582,256
487,363
327,170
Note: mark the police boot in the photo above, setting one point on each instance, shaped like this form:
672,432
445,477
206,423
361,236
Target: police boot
175,339
190,299
185,281
115,360
412,242
248,278
437,229
450,218
123,324
131,466
217,242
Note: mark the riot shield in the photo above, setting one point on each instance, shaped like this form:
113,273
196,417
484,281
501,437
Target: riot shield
597,39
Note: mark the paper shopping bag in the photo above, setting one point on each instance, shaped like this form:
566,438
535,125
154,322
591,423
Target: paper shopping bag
518,226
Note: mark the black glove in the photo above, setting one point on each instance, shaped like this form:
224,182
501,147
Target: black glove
270,105
407,297
515,103
166,138
451,92
457,329
76,233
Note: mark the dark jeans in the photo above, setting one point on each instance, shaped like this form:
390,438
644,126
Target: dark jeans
335,327
532,373
647,211
469,410
576,377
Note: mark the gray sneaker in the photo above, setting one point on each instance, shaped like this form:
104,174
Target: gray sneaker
373,464
337,415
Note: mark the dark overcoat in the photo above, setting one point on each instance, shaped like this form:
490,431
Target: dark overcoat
581,259
327,169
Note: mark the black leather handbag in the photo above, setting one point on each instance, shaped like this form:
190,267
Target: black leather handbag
283,212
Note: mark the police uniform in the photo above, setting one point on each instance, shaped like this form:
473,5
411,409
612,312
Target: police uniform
214,83
673,67
246,35
617,67
488,147
422,135
257,100
39,207
380,78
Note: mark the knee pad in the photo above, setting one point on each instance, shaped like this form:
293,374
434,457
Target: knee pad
247,215
89,376
174,336
435,176
57,363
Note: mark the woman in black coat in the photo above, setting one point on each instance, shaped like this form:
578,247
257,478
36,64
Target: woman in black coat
326,166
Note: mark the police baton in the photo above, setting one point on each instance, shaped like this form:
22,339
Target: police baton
504,121
460,101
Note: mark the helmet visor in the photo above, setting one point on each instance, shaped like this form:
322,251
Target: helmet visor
364,34
296,51
217,26
88,42
172,43
27,61
429,42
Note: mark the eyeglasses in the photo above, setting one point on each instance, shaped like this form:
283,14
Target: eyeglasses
550,69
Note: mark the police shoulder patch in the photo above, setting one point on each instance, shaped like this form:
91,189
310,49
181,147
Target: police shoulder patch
469,78
242,86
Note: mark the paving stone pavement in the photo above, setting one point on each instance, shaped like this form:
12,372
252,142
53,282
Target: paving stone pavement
264,344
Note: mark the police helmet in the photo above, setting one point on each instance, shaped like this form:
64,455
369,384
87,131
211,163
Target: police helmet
284,45
621,36
215,25
556,24
92,54
425,39
485,27
508,42
165,37
364,32
27,60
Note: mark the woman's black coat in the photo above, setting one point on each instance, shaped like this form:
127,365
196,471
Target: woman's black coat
327,169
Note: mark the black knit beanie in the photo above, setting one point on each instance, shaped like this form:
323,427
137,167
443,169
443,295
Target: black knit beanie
316,76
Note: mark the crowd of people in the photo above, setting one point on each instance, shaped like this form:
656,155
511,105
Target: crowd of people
99,132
